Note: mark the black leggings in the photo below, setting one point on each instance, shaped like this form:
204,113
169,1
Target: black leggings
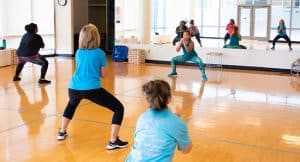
226,37
177,38
99,96
37,59
197,36
284,37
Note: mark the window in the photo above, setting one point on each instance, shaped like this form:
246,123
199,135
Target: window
165,15
14,19
254,1
1,19
15,14
228,11
297,3
159,17
127,14
295,33
211,16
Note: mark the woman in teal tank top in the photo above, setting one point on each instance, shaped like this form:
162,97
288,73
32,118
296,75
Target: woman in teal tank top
189,54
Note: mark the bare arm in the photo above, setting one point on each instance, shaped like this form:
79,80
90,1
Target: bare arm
190,47
187,149
103,72
179,46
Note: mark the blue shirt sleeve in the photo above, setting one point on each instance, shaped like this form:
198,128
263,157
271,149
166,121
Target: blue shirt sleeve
181,135
102,59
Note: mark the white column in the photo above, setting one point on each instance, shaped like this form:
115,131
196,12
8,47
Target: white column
144,21
64,28
192,9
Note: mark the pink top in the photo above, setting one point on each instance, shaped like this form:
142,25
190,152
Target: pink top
230,28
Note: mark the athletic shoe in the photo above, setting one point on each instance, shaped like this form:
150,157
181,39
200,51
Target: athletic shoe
44,81
117,144
273,48
16,79
61,135
172,74
204,77
291,48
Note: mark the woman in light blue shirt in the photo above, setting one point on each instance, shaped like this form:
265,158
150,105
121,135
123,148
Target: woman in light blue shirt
158,130
281,29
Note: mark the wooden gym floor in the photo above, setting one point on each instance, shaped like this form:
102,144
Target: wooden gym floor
237,116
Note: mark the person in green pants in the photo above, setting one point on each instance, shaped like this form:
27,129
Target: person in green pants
189,54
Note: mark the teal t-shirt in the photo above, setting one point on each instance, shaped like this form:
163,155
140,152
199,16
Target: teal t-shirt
88,69
281,30
157,135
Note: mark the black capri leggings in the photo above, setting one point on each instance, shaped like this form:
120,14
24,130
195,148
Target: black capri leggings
99,96
226,37
284,37
36,59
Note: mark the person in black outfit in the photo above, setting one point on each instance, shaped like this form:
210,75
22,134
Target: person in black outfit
28,52
179,31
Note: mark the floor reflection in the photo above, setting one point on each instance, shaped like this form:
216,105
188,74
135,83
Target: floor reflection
236,116
187,104
35,107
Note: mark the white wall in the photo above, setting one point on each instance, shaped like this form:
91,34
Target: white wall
144,21
278,59
64,28
80,14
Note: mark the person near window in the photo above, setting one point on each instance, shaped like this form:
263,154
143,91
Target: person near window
193,29
229,28
281,29
179,31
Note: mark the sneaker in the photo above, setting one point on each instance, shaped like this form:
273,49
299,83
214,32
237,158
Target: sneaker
61,135
16,79
172,74
44,81
273,48
204,77
291,48
117,144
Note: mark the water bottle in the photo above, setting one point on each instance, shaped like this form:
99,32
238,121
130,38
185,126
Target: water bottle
4,43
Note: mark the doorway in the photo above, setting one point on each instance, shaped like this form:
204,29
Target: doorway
254,21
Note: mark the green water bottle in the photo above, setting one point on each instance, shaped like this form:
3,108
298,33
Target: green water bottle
4,44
